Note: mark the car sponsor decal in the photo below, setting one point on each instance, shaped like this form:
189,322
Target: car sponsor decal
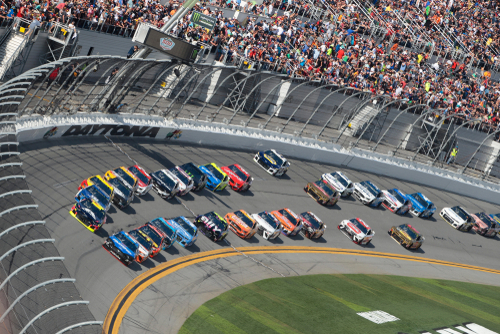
271,160
363,223
210,224
354,228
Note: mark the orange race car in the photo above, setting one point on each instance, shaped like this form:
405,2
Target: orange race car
241,223
290,221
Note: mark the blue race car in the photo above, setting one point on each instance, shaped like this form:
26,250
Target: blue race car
217,180
273,162
421,206
168,231
187,233
396,201
94,193
122,247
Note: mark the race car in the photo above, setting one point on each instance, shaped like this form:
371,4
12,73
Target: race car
322,192
212,226
122,247
239,179
357,230
458,218
96,194
396,201
144,183
339,182
123,174
272,162
216,178
169,234
185,181
165,183
267,226
312,226
145,246
89,214
100,182
187,232
367,193
289,220
407,236
199,178
123,195
241,224
421,206
485,225
154,236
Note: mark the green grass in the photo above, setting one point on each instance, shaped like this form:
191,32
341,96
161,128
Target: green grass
329,303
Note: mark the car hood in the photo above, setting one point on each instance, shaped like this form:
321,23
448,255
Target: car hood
416,204
363,190
452,213
122,247
336,183
211,177
263,223
390,197
157,179
270,161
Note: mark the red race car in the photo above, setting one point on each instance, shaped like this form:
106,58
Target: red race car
144,183
239,179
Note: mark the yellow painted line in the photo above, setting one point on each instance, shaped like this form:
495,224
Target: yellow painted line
126,297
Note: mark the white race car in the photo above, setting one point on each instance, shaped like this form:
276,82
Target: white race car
396,201
367,193
267,226
340,182
185,181
458,218
273,162
357,230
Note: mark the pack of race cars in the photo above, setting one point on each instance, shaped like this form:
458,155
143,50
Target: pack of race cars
119,186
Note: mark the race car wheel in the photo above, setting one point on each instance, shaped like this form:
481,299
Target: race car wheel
430,216
468,228
408,246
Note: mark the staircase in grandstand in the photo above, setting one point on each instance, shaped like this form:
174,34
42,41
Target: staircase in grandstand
362,118
12,45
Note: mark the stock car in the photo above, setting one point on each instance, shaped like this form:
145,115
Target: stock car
185,181
340,182
272,162
123,195
421,206
165,183
216,179
396,201
485,225
289,220
199,178
312,226
144,183
407,236
367,193
89,214
145,246
458,218
239,179
122,247
322,192
100,182
187,232
267,226
241,224
154,236
96,194
212,226
123,174
357,230
169,234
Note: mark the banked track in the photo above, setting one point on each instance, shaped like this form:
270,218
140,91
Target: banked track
205,270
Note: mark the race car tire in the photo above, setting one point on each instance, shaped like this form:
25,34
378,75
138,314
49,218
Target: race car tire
407,246
368,243
430,216
468,229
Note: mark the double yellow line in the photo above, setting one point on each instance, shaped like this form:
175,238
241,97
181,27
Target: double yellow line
126,297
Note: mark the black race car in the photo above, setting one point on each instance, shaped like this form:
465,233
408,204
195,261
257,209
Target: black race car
212,225
199,178
165,183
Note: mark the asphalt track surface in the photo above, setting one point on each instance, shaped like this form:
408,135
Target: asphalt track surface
54,169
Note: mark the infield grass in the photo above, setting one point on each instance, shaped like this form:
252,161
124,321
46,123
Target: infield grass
330,303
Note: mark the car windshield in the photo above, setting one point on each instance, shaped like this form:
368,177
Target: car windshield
140,239
214,171
288,216
138,174
89,207
244,218
411,233
360,226
191,169
422,201
268,219
185,226
461,213
101,198
166,179
339,178
183,177
125,176
116,183
238,172
316,223
397,195
127,242
485,218
101,185
163,227
152,234
371,188
214,218
275,157
329,191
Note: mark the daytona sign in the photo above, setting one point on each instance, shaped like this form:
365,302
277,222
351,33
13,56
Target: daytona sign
112,130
